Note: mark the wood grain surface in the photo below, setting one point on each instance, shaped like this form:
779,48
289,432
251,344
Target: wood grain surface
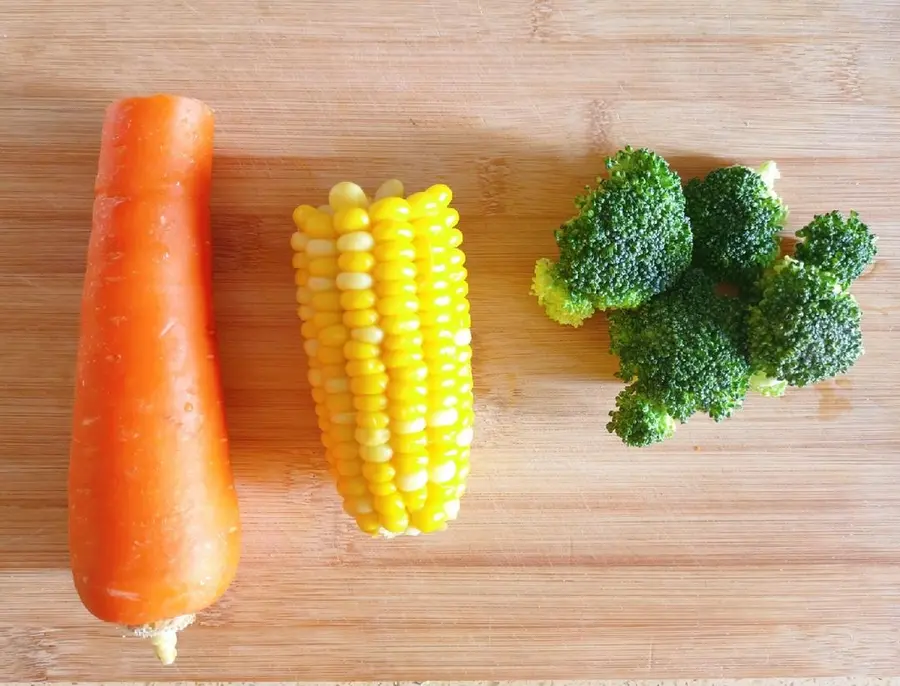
767,545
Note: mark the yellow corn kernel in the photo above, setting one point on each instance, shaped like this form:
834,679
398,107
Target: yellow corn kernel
370,403
325,319
372,420
356,241
384,289
357,300
393,271
323,266
356,350
403,411
390,505
330,355
390,251
355,261
335,335
415,500
339,402
357,319
351,219
300,215
318,225
397,305
353,281
352,485
381,488
368,334
411,341
372,437
378,472
400,358
395,524
305,312
369,523
345,451
351,467
429,518
422,204
441,194
376,453
300,260
400,325
371,384
394,209
364,366
392,231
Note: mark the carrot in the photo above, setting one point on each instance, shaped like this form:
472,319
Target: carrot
154,533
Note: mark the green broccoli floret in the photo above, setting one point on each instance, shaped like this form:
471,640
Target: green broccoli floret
736,216
806,328
629,241
683,352
844,247
640,421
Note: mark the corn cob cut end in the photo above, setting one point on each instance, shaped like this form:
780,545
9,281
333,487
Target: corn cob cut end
382,294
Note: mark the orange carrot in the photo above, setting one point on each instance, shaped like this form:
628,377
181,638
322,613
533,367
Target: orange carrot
154,534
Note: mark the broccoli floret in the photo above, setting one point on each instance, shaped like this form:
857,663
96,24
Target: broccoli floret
844,247
736,216
640,421
684,352
806,328
629,241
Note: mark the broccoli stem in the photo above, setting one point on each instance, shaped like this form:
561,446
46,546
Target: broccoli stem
767,386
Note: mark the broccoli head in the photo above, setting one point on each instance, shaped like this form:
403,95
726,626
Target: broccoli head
844,247
629,241
736,216
805,328
683,352
640,421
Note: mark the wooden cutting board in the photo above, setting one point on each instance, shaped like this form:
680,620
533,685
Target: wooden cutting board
766,545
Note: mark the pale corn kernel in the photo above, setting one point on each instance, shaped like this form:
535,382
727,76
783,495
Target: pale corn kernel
336,334
357,350
320,247
317,226
376,453
347,194
378,472
408,427
394,250
412,481
355,261
372,384
330,355
338,385
323,266
464,437
372,437
442,472
326,300
463,337
381,488
390,189
451,507
311,347
321,283
357,319
443,418
441,194
298,244
354,281
392,231
368,334
301,214
391,208
372,420
356,241
343,418
351,219
370,403
326,209
394,271
358,300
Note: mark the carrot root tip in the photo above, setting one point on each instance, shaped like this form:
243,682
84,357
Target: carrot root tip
164,636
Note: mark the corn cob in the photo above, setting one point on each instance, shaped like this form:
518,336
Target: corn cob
382,294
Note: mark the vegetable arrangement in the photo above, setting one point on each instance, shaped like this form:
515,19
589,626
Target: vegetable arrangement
382,292
382,289
656,255
154,535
